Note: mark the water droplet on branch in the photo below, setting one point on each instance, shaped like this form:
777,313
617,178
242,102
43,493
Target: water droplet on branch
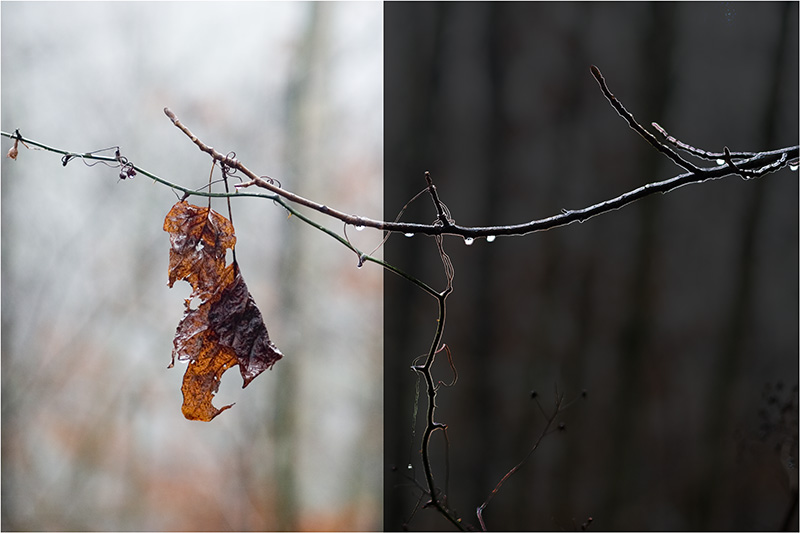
468,241
490,238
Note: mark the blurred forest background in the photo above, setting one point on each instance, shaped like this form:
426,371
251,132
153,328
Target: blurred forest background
678,314
92,432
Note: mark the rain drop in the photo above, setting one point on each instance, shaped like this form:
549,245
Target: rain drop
409,234
793,165
720,161
359,228
468,241
410,467
490,238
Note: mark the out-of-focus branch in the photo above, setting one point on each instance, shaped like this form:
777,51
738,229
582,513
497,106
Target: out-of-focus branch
550,418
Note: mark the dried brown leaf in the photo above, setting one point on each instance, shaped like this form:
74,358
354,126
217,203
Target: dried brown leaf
238,323
226,328
199,239
202,377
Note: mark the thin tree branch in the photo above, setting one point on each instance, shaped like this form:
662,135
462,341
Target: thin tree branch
113,162
760,163
436,500
269,183
635,126
442,213
749,166
560,407
697,152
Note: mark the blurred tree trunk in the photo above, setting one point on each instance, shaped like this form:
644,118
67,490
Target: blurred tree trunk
737,325
300,126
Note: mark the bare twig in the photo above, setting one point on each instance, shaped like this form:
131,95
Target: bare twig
442,213
755,165
549,420
698,152
635,126
269,183
437,500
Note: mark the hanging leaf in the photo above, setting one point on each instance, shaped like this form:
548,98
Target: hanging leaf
226,327
199,239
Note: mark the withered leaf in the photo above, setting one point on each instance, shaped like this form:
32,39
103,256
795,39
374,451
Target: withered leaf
199,238
226,328
238,323
202,377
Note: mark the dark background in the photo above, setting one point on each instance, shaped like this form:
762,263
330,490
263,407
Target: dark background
677,314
